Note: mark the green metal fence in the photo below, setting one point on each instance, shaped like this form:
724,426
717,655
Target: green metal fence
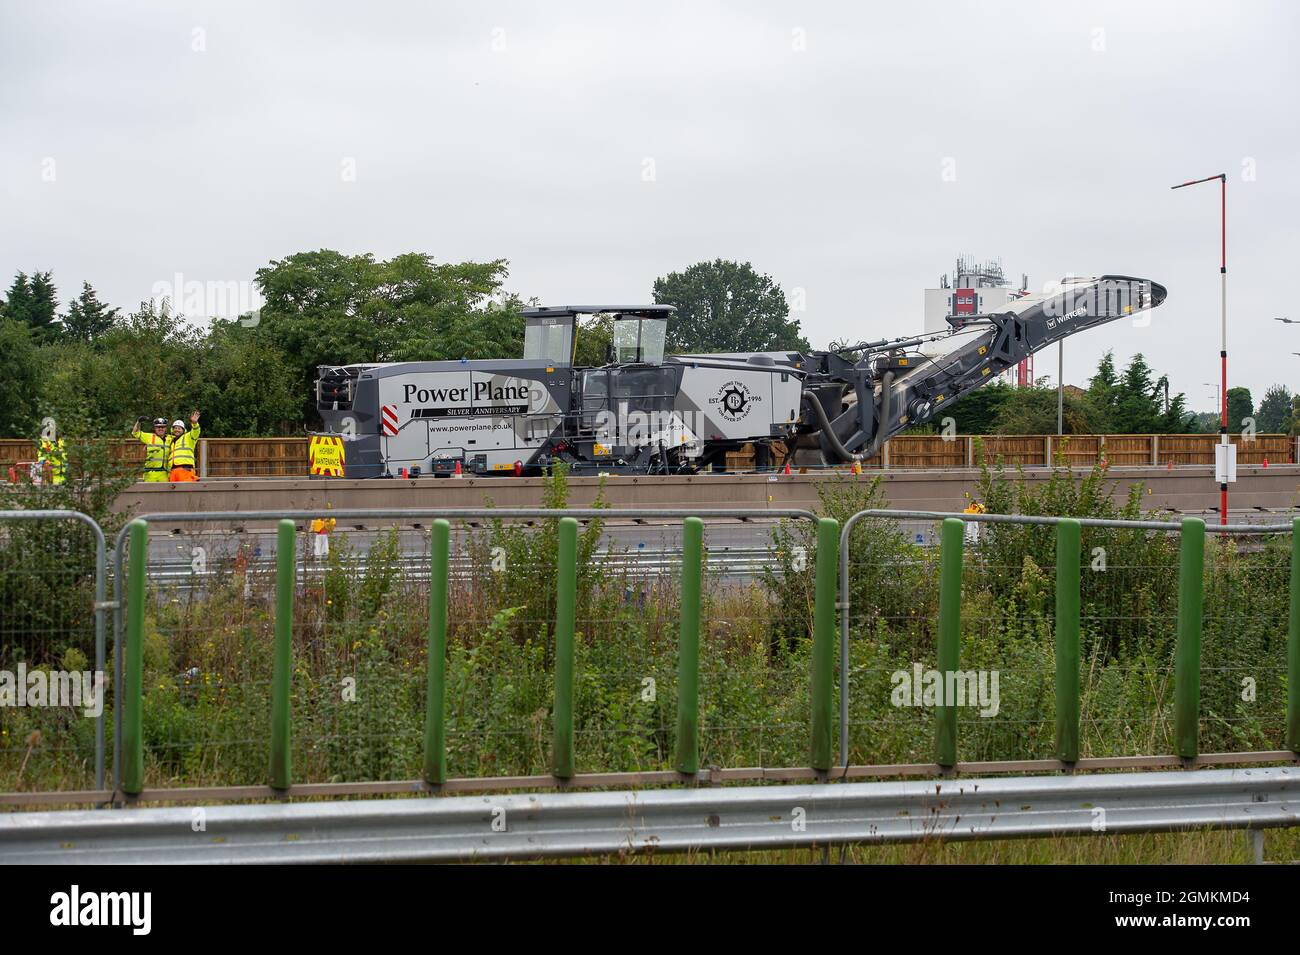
552,697
1108,640
1071,625
53,578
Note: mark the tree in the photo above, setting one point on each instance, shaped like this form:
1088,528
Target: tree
1137,407
1104,391
1292,423
976,412
594,338
1033,411
43,307
727,306
88,318
18,300
246,385
1240,407
1116,403
148,364
252,376
1131,402
327,308
21,360
1274,410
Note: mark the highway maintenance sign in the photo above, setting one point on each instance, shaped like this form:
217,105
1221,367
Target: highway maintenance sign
325,456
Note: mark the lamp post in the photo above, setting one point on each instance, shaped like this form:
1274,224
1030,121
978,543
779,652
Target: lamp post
1223,348
1060,387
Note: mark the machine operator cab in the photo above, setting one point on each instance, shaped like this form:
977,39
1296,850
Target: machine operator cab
549,335
633,373
638,337
627,405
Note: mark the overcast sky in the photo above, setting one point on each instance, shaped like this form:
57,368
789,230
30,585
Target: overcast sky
849,150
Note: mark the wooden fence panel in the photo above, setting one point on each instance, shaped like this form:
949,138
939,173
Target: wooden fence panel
927,451
1076,450
13,450
1179,449
1128,450
1011,450
1276,448
269,457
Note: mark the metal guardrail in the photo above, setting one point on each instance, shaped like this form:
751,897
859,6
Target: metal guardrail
552,825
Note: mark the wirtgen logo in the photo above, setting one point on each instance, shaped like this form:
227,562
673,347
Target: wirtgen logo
103,908
37,687
922,687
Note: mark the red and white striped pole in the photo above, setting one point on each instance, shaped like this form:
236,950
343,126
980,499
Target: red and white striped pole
1223,347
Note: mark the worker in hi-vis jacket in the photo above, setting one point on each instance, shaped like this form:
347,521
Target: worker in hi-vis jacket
53,457
156,449
182,445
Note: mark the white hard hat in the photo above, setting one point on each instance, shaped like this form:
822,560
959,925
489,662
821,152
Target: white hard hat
178,423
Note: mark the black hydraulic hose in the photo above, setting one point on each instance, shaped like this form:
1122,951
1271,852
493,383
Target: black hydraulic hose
886,414
820,414
886,383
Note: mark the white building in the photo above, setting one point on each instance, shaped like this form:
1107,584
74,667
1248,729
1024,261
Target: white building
976,289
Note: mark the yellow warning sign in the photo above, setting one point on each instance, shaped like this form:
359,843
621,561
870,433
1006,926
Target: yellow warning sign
325,456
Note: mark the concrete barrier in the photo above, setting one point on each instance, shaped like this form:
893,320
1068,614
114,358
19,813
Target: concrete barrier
1187,489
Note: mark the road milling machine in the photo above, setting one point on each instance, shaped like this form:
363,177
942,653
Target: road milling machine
647,412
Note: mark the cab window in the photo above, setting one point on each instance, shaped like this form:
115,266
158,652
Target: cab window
548,338
640,340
